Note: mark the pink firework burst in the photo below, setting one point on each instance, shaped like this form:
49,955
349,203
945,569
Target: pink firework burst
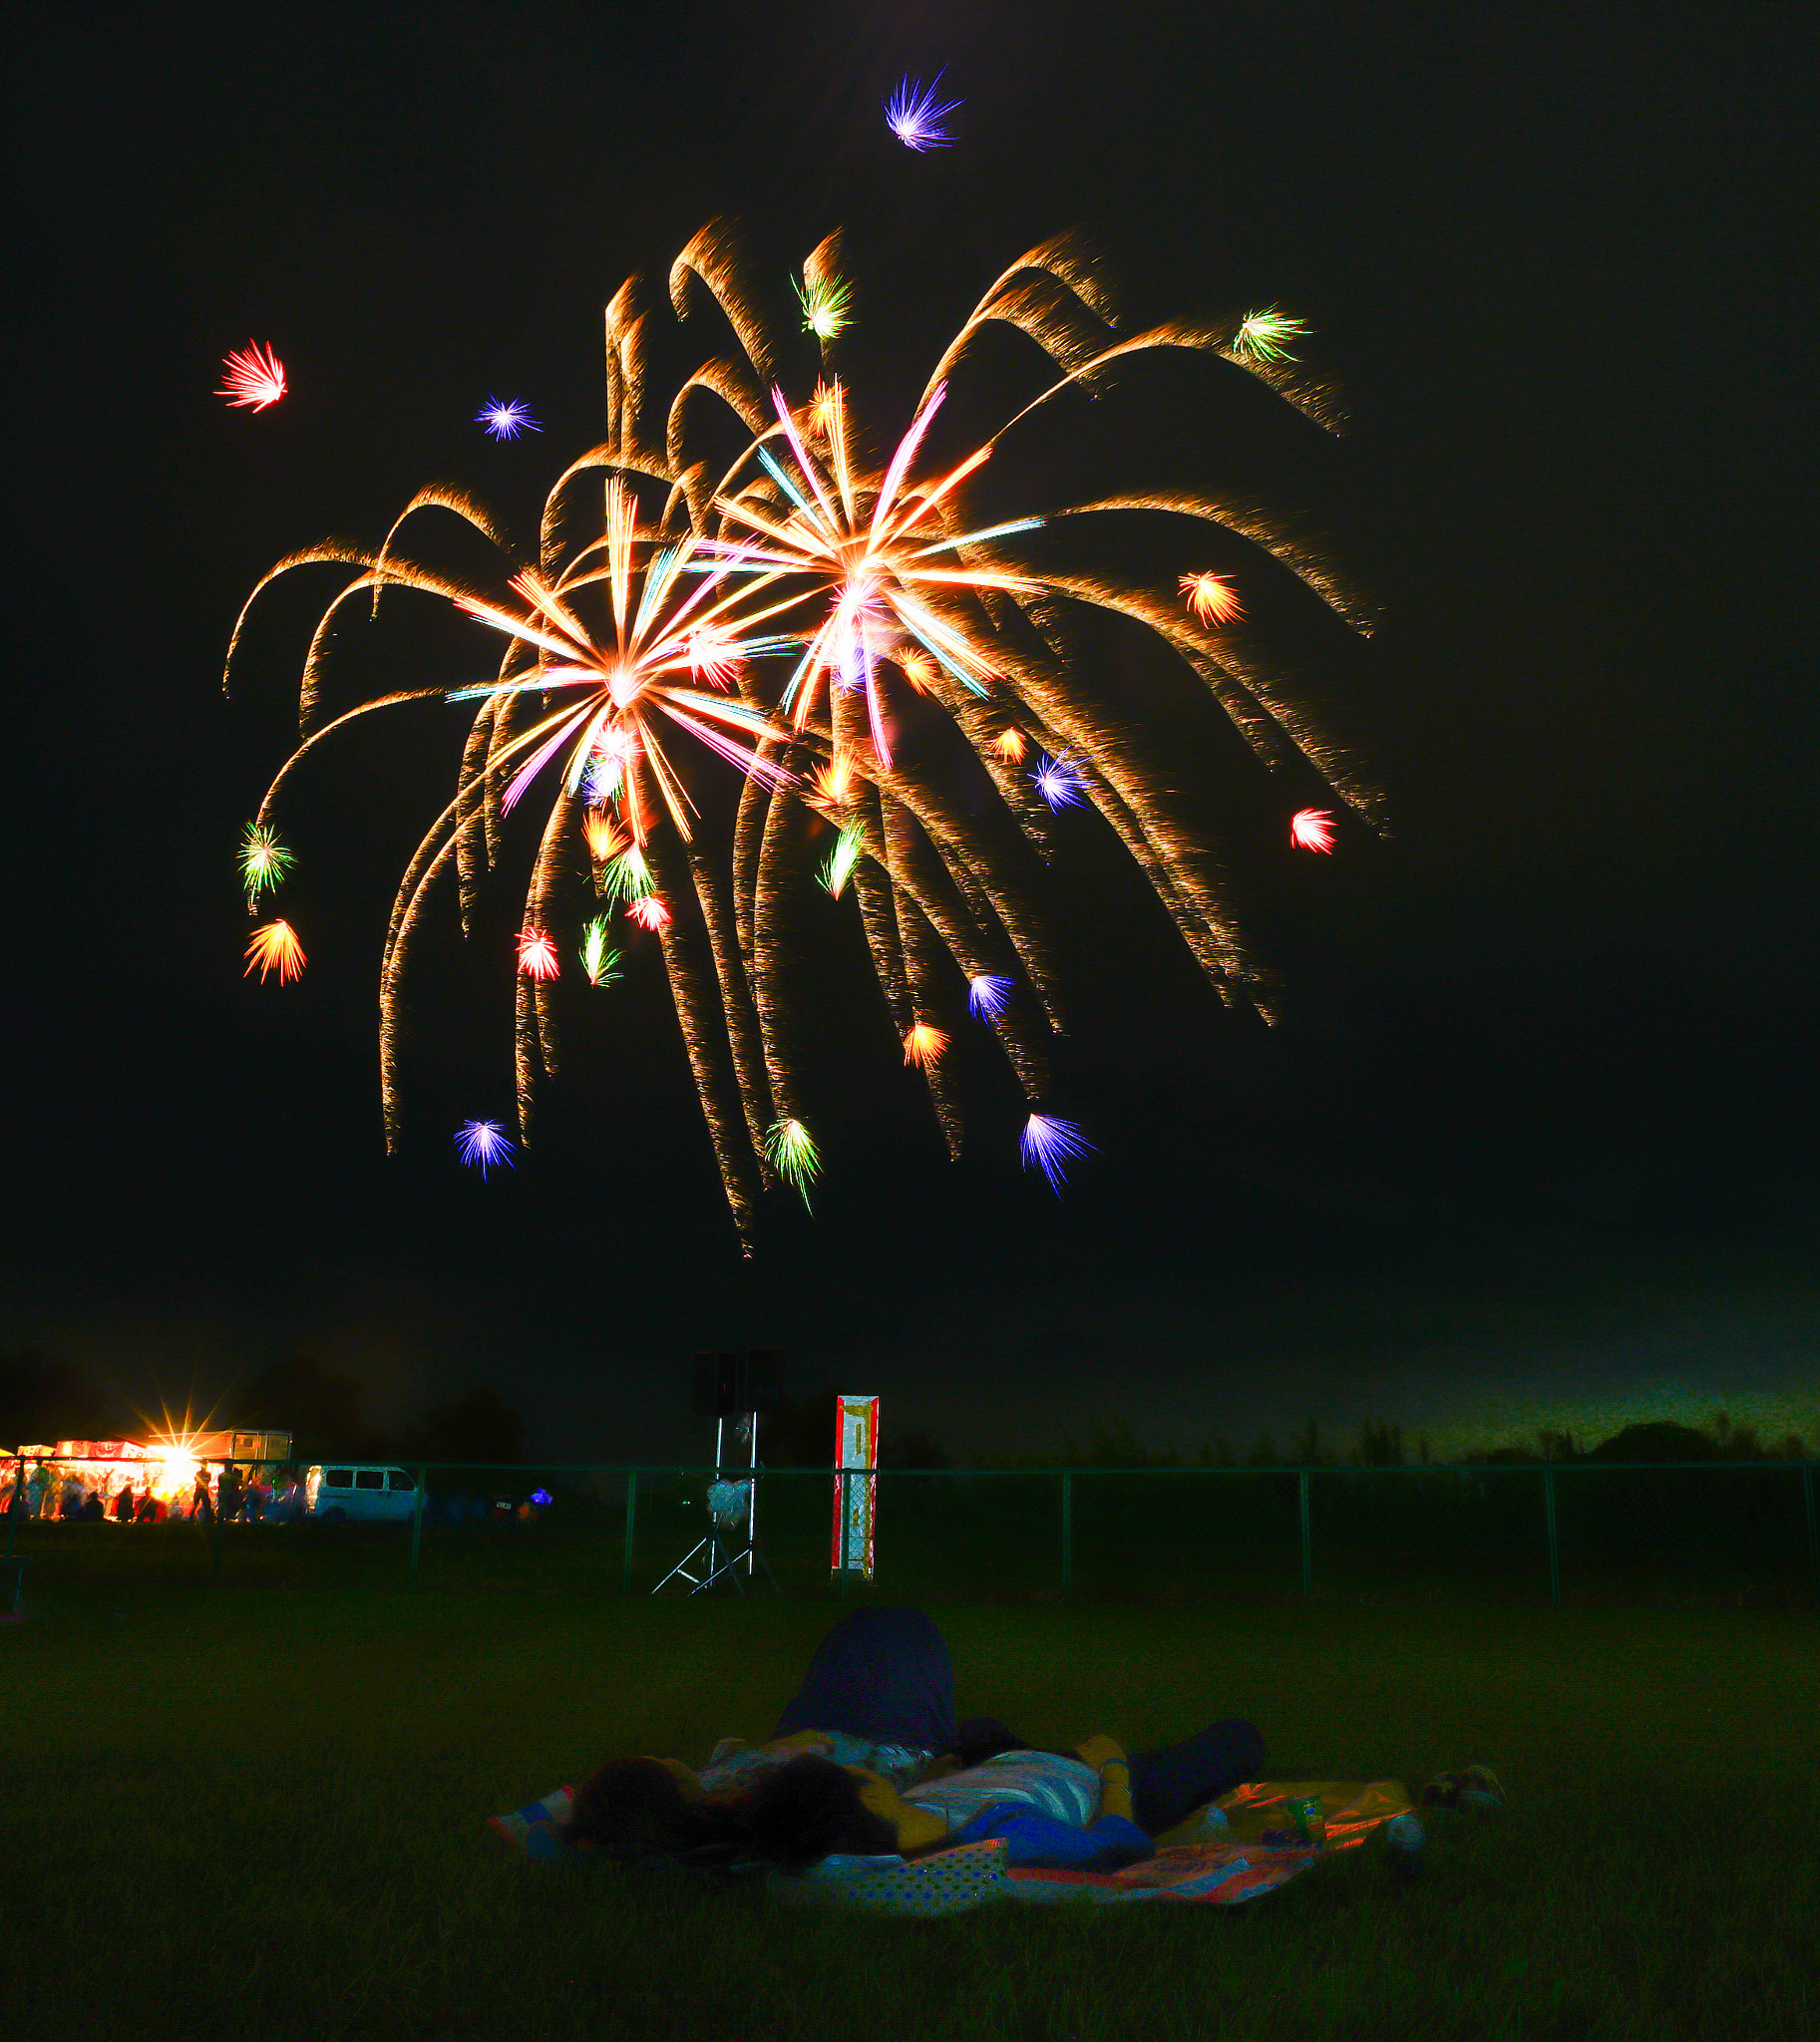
537,955
1311,830
648,912
253,377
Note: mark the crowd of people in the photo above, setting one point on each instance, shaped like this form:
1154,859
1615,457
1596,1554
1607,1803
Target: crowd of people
126,1494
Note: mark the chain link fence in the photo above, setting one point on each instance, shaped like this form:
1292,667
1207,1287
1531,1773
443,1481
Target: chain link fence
1567,1531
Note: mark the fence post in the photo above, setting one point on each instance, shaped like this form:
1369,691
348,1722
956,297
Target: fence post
417,1523
841,1546
216,1540
631,1520
1548,1510
1067,1529
16,1508
1813,1530
1307,1544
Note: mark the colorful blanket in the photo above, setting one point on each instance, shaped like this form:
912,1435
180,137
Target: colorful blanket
1205,1860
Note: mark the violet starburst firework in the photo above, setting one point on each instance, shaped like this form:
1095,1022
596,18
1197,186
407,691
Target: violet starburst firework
1058,781
506,418
483,1144
914,114
1046,1144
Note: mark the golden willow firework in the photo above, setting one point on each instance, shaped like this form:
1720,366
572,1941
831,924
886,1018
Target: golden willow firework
757,584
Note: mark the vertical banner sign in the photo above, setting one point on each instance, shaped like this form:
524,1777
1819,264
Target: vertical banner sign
856,1446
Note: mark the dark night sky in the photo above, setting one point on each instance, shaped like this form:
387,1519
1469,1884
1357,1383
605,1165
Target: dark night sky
1536,1137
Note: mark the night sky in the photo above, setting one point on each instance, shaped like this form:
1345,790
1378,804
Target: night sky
1535,1141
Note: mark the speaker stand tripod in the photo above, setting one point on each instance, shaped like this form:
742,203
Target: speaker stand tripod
717,1556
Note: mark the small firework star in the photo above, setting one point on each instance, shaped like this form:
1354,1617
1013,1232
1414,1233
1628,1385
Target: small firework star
1047,1144
253,377
506,418
914,114
1211,599
1261,336
483,1144
1311,830
264,860
275,949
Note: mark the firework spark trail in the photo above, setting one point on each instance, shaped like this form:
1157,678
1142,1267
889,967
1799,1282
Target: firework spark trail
701,1015
740,1015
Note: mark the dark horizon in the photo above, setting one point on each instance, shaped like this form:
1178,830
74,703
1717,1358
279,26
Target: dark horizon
1534,1137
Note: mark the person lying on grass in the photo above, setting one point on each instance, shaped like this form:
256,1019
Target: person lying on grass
868,1759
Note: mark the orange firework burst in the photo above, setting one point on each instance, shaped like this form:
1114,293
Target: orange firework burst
916,667
1010,744
537,955
924,1045
1211,599
603,837
275,949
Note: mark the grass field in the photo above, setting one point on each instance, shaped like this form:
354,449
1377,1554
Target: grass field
260,1808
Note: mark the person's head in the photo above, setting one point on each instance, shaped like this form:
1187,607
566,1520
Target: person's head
809,1808
635,1808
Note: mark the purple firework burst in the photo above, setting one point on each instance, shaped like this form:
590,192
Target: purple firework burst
506,418
1046,1144
484,1142
914,114
1058,781
987,996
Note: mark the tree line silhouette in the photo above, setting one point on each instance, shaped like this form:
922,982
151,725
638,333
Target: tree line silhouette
44,1399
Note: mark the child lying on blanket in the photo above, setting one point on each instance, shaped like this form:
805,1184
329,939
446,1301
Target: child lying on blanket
868,1759
1051,1808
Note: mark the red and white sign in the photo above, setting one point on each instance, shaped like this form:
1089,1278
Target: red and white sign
856,1457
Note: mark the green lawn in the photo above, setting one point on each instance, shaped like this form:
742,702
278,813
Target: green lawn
261,1810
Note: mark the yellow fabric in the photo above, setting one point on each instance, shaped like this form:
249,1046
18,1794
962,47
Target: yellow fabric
917,1828
1107,1757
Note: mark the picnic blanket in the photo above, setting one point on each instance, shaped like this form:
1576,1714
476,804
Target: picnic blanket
1202,1861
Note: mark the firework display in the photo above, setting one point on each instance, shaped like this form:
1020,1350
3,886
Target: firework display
750,586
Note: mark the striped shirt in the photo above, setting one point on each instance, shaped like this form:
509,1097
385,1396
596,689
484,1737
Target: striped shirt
1066,1789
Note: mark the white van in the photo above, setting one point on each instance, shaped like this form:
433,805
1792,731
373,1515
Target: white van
352,1495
